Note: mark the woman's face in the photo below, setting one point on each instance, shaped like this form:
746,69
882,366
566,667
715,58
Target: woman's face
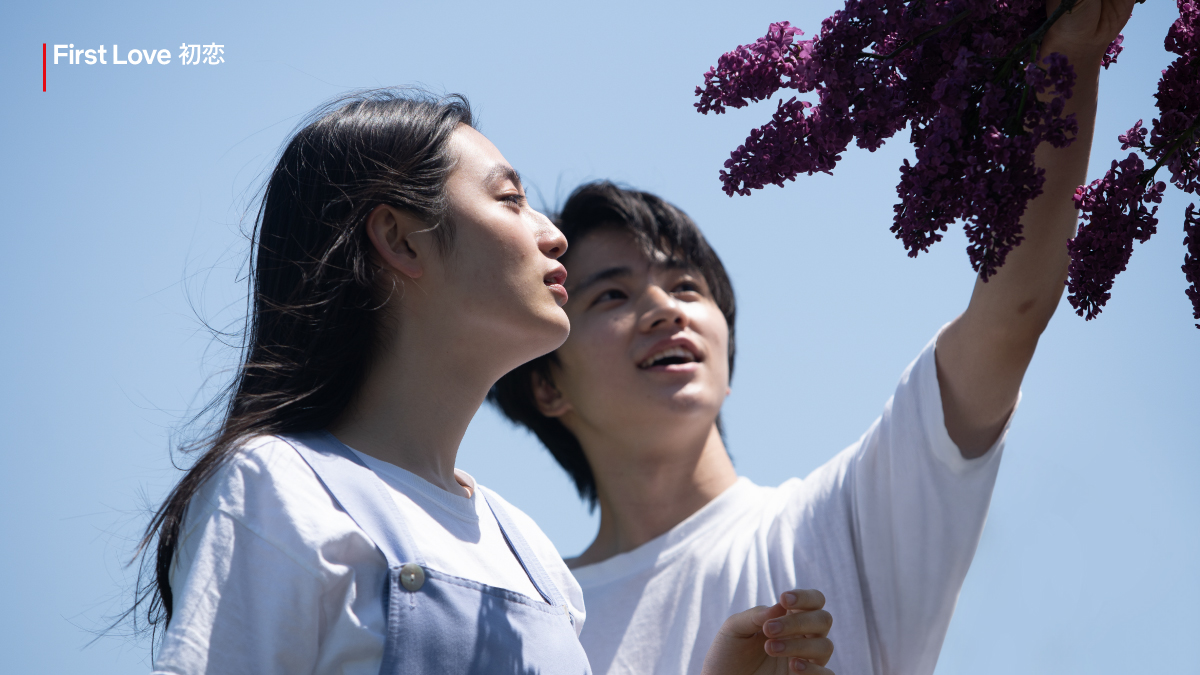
502,272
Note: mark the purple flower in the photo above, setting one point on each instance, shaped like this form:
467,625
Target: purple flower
754,72
1173,137
1134,138
957,73
1114,212
790,144
1183,38
1113,207
1114,50
1191,259
967,79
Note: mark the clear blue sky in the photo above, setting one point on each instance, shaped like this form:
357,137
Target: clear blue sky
125,190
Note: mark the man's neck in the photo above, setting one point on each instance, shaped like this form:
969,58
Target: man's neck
645,496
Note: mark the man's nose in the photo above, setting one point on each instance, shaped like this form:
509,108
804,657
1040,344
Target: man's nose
661,309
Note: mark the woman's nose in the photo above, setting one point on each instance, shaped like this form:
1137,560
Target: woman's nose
662,309
550,239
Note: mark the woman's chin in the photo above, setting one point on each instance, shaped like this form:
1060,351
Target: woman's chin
549,332
557,325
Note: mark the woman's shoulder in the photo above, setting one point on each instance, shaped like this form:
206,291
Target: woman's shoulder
267,488
547,554
261,468
529,529
268,567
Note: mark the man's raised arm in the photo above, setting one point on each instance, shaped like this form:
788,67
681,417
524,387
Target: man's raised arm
982,355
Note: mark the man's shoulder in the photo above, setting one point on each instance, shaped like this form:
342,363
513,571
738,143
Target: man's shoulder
820,483
720,529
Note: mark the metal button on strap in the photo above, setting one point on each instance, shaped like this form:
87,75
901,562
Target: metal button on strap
412,577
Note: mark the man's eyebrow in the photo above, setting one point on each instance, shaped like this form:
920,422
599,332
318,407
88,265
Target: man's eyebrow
602,275
503,171
678,264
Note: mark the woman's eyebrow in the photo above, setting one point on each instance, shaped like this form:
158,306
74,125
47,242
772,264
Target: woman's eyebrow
503,171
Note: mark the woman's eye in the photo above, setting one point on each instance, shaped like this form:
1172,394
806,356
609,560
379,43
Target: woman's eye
516,199
687,286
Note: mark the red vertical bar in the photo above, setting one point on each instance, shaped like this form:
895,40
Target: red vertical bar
43,66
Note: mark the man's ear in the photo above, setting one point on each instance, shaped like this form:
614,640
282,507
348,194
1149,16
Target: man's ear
550,401
390,231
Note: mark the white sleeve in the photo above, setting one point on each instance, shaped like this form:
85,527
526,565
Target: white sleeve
918,509
242,605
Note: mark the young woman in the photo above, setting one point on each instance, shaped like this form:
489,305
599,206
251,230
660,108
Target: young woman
398,273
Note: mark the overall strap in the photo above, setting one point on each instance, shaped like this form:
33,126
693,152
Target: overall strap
525,555
360,492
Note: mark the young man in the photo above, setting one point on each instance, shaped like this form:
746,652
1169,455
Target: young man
886,529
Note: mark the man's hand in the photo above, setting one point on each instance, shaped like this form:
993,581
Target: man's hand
1088,28
789,637
982,355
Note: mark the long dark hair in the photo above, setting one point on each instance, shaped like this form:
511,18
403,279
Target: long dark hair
314,300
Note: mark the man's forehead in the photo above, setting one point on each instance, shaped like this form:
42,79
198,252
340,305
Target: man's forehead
611,246
615,256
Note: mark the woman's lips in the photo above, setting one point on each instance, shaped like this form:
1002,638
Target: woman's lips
554,281
560,293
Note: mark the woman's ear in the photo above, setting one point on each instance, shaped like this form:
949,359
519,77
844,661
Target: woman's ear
390,231
550,401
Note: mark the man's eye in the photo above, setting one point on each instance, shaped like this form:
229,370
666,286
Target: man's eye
610,294
516,198
687,286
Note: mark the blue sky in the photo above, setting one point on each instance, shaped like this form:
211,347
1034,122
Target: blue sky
126,192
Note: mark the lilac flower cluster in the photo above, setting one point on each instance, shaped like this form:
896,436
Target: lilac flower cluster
1114,212
1191,259
963,75
1114,50
1113,208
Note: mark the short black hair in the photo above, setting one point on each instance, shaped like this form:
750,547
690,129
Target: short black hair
657,226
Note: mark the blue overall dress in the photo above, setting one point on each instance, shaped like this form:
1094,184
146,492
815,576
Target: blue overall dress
438,623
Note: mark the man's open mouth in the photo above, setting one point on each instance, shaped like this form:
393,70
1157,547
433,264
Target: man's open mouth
670,356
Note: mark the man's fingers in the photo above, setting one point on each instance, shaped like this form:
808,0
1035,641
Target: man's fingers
817,650
797,665
817,622
795,603
750,622
802,598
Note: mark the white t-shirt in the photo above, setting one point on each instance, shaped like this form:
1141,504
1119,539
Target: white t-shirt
886,530
272,576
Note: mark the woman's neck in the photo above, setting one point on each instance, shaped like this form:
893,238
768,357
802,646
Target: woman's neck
415,404
644,493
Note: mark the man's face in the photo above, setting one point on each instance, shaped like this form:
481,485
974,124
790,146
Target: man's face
648,353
